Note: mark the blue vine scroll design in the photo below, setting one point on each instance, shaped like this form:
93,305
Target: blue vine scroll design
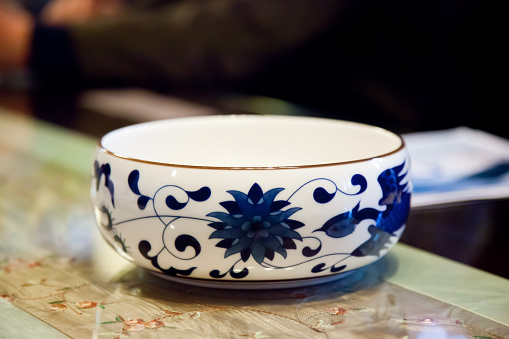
250,229
257,225
183,241
396,191
103,212
99,171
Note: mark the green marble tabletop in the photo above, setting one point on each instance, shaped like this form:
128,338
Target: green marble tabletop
59,279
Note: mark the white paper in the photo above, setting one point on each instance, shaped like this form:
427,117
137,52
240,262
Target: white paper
445,164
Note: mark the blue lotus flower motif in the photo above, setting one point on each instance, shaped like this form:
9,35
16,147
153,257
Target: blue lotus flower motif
256,225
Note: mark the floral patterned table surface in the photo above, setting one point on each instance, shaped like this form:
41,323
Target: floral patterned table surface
59,279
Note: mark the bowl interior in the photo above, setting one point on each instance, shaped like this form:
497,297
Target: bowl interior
250,141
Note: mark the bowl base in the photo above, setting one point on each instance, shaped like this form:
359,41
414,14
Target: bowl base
253,285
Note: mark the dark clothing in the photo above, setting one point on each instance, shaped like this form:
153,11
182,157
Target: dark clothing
404,65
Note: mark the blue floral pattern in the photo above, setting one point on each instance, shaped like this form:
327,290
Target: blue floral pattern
256,225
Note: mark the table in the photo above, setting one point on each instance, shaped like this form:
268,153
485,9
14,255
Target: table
58,279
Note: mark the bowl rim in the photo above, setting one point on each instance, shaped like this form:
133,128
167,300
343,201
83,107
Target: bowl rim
402,145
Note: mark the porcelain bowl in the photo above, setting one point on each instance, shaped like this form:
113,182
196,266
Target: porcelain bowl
247,201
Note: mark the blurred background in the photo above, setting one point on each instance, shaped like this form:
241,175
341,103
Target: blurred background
403,65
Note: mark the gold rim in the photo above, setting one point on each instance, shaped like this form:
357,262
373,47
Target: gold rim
259,168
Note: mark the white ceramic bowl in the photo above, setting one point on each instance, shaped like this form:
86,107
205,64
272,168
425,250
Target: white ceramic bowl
250,201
